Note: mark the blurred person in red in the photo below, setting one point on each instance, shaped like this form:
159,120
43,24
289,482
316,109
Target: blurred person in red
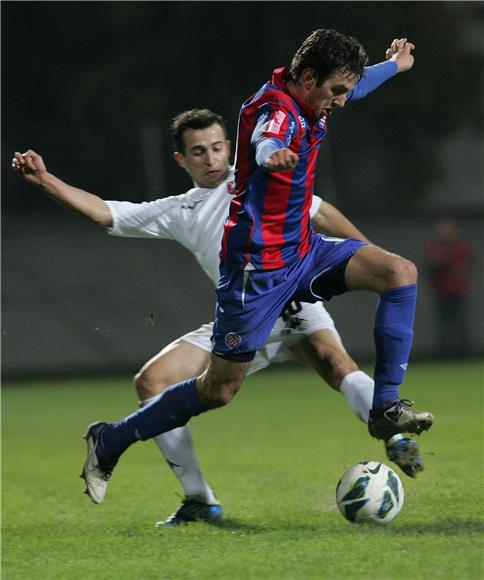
449,259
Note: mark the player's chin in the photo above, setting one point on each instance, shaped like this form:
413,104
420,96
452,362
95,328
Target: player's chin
213,178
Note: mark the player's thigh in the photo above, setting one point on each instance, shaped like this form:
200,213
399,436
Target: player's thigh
324,352
177,362
373,268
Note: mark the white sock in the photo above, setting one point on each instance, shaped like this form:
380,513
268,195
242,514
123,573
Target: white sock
177,447
358,387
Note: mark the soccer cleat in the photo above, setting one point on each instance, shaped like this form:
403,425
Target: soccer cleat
192,510
398,418
405,453
96,471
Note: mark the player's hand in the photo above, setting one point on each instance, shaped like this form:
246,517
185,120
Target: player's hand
281,160
400,51
29,166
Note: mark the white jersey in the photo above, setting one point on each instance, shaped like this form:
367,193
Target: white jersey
194,219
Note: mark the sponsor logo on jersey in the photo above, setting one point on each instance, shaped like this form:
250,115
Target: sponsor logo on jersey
302,120
232,340
274,125
192,204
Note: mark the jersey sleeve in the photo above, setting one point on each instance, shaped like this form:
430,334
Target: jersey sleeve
274,121
373,77
316,202
153,219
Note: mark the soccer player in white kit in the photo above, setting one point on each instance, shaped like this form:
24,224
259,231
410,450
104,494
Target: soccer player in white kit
195,219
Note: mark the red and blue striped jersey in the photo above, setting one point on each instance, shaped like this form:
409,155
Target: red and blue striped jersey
268,225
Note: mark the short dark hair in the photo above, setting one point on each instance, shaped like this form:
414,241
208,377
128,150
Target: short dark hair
192,119
325,51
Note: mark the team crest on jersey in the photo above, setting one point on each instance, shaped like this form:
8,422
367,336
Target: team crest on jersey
232,340
231,187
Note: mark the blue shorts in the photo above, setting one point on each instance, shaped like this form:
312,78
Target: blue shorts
250,301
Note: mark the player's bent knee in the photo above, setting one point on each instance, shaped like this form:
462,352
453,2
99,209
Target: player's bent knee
148,385
402,273
218,395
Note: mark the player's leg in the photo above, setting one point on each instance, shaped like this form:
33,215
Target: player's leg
173,408
395,279
325,353
178,361
246,312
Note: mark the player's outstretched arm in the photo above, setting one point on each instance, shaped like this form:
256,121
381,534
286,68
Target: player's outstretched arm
330,221
31,168
399,58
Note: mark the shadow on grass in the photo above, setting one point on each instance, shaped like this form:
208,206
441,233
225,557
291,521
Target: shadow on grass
449,527
236,525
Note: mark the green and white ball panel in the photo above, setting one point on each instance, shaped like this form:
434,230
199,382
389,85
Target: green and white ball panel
370,492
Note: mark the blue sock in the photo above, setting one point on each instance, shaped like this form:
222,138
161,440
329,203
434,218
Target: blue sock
393,334
173,408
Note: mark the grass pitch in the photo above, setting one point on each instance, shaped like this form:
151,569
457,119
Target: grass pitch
273,456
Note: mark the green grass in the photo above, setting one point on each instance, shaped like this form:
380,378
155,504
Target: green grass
273,456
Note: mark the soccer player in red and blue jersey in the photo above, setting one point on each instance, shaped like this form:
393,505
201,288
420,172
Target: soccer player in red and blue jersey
270,254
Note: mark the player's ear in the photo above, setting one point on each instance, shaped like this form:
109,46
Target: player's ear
180,159
308,78
228,143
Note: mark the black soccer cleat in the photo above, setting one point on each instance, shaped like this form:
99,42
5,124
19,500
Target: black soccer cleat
398,418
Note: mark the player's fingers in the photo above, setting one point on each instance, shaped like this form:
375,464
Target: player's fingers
30,153
393,46
30,157
290,159
18,161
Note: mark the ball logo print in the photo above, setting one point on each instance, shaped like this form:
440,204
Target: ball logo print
370,492
232,339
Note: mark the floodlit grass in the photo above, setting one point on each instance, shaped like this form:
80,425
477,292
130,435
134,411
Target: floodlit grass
273,456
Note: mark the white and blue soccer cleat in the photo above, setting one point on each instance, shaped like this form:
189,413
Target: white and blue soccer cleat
405,453
96,470
192,510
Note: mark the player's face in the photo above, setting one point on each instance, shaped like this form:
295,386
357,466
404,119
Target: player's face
332,93
206,155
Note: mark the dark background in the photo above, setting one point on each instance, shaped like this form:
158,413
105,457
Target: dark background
92,86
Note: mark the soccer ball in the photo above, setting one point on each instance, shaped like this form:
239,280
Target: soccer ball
369,492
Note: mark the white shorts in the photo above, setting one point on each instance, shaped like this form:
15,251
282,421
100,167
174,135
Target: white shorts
299,320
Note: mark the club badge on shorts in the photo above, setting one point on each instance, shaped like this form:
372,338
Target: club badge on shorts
232,340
